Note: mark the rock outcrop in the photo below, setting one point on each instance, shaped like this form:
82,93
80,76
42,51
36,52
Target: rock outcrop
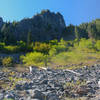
44,26
1,22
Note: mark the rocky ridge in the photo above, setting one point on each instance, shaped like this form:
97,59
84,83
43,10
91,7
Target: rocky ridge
44,26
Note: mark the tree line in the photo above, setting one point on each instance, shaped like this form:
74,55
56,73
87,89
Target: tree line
85,30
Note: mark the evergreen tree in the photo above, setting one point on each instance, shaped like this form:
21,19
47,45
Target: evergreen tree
29,38
92,31
77,35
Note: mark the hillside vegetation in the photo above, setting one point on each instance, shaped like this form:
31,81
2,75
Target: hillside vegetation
57,46
43,59
56,53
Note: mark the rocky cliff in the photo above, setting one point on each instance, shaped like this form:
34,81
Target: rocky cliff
1,22
44,26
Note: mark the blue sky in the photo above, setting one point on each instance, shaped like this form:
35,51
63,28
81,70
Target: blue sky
74,11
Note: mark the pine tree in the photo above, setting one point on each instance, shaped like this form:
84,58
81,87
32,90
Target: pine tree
29,38
77,35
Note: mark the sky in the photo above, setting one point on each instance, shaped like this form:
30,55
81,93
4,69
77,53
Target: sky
74,11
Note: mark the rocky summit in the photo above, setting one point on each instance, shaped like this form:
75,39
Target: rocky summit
44,26
47,23
51,84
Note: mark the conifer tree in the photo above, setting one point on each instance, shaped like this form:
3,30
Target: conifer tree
77,35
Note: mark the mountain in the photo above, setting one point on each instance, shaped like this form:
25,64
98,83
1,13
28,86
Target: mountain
44,26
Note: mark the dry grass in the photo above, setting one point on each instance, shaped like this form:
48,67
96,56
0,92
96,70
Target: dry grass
21,68
81,98
76,60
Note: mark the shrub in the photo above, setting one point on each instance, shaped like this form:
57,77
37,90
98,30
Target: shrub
54,42
98,45
52,52
60,59
41,47
2,46
22,46
61,48
7,61
29,47
34,59
46,60
85,45
11,49
58,49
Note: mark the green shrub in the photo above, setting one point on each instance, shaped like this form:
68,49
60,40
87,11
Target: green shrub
2,46
98,45
8,48
42,47
11,49
34,59
60,59
7,61
22,46
52,52
54,42
59,47
85,45
56,49
29,47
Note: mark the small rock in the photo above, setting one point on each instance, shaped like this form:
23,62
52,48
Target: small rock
82,90
1,96
9,96
52,96
35,94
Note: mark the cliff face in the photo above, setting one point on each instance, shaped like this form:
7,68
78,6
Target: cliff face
43,26
1,22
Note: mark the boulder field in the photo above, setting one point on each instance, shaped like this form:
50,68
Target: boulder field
51,84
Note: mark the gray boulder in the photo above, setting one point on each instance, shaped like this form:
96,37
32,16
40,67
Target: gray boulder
1,96
36,94
52,96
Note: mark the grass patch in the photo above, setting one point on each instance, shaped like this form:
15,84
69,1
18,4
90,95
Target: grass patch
75,59
80,98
